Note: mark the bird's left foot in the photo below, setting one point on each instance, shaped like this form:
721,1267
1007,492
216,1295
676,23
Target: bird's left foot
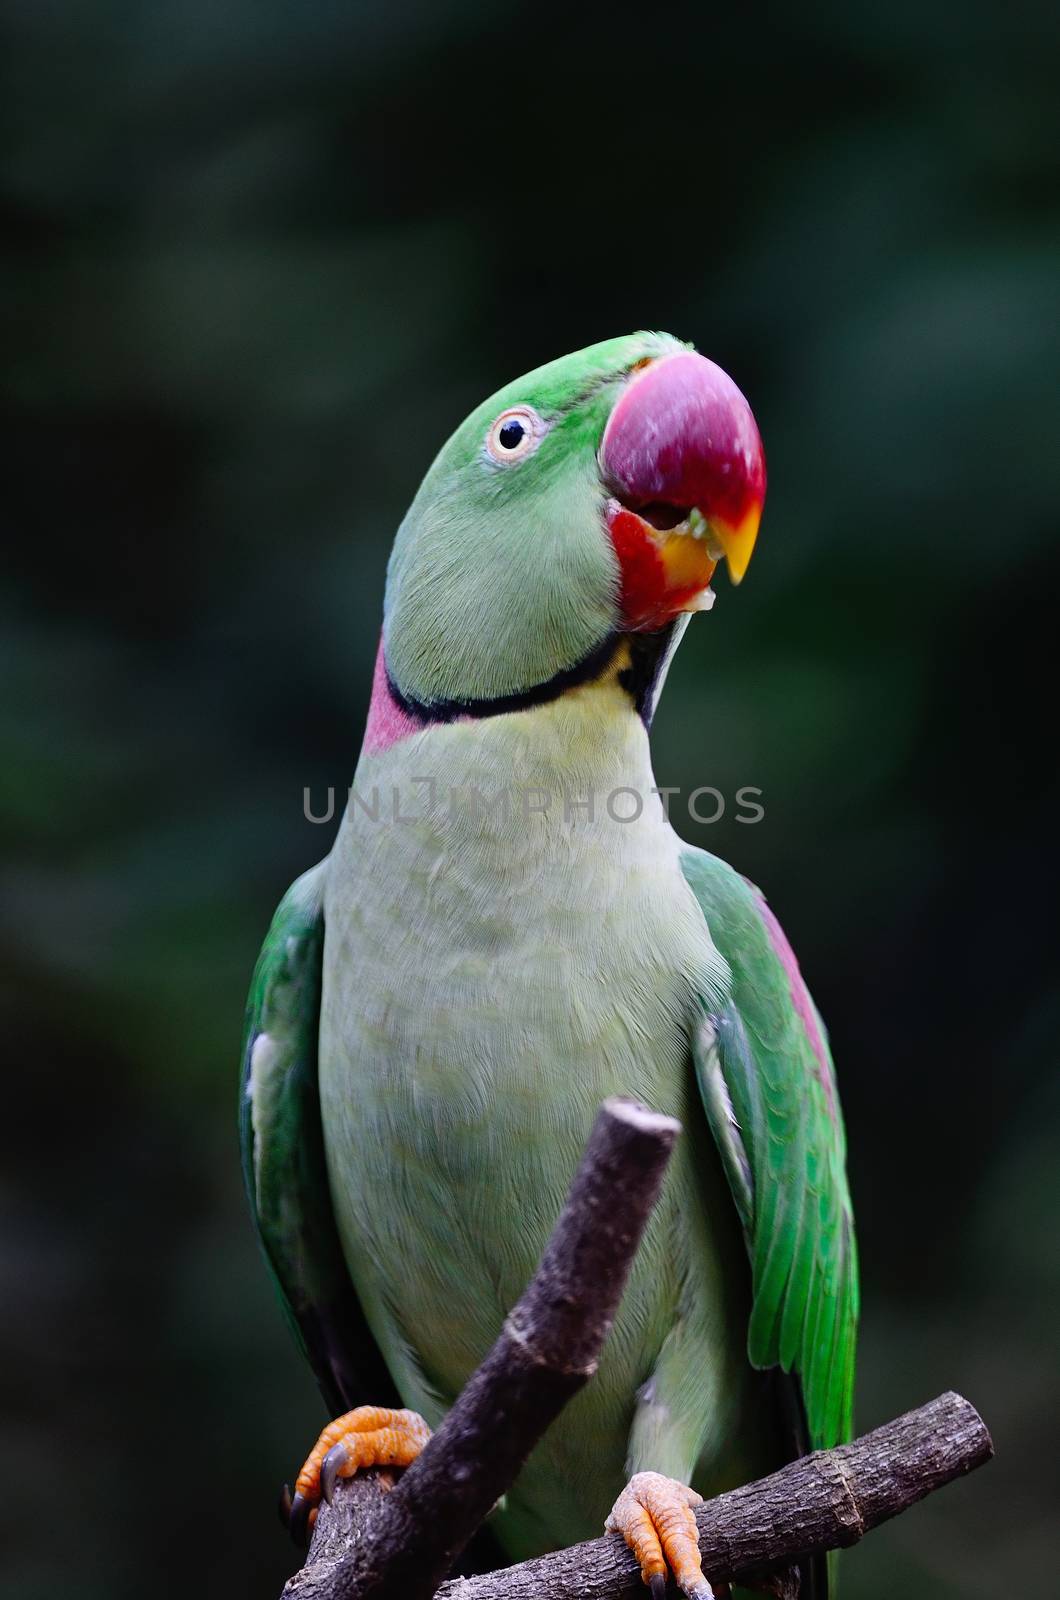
655,1517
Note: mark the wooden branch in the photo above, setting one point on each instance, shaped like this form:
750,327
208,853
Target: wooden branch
821,1502
547,1350
399,1545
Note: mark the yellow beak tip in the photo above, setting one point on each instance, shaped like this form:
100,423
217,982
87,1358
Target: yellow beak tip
738,542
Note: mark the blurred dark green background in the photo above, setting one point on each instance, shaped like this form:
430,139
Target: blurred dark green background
260,259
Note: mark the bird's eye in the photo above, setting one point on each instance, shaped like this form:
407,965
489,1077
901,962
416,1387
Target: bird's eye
514,434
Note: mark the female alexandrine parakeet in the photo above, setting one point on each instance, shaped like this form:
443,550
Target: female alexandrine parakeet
507,931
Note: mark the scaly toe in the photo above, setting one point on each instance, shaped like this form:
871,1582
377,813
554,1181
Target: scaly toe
368,1436
655,1516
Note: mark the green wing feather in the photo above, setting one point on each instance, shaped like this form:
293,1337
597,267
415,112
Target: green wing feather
768,1088
283,1155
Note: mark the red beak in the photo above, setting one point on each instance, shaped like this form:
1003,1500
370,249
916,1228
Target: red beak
683,458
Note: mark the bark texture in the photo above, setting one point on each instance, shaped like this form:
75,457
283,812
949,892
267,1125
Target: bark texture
823,1502
408,1541
396,1536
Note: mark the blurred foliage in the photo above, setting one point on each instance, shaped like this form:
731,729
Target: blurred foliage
260,259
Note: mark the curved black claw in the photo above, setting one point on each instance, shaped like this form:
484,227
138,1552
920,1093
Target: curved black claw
284,1505
657,1584
299,1521
336,1457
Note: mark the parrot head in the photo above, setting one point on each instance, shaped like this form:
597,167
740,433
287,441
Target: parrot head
590,499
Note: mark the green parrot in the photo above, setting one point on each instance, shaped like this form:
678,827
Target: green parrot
506,932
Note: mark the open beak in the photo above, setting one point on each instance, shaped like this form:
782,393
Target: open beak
683,462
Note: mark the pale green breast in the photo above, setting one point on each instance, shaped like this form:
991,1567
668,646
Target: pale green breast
494,967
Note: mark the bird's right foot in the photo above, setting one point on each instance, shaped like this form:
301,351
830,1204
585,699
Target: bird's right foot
368,1436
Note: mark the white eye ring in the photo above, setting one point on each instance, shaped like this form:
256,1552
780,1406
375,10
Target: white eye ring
515,434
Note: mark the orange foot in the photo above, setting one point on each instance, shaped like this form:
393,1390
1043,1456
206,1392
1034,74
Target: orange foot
655,1517
369,1436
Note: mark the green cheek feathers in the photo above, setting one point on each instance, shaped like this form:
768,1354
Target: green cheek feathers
480,608
504,576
